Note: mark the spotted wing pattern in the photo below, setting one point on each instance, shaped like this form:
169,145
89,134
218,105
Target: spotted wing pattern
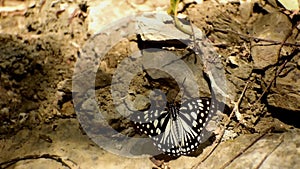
176,130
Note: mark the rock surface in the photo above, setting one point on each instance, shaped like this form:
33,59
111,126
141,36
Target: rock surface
41,46
69,143
285,94
276,27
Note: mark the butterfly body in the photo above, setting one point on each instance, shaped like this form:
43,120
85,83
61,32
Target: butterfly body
177,130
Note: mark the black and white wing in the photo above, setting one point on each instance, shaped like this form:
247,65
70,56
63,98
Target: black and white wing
176,131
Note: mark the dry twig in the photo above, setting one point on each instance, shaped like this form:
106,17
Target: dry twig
243,36
279,70
218,140
56,158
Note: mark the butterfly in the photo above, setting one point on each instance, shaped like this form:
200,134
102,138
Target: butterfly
176,130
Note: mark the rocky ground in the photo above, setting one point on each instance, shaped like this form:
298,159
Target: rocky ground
256,42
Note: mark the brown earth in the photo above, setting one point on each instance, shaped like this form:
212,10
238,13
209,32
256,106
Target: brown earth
40,43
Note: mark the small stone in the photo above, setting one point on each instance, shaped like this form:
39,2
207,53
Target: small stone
4,112
232,60
141,102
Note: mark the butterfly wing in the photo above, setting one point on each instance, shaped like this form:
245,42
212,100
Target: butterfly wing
194,114
180,135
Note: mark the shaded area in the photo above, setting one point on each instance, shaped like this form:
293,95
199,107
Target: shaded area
27,80
286,116
39,46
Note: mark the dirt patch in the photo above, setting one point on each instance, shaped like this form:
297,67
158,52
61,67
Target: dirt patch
40,44
35,64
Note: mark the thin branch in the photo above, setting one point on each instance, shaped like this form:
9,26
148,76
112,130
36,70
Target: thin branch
256,38
273,80
218,141
56,158
278,71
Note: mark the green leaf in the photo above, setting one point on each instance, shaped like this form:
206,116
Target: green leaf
172,10
290,4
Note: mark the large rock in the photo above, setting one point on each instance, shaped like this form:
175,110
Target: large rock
285,94
275,27
65,139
